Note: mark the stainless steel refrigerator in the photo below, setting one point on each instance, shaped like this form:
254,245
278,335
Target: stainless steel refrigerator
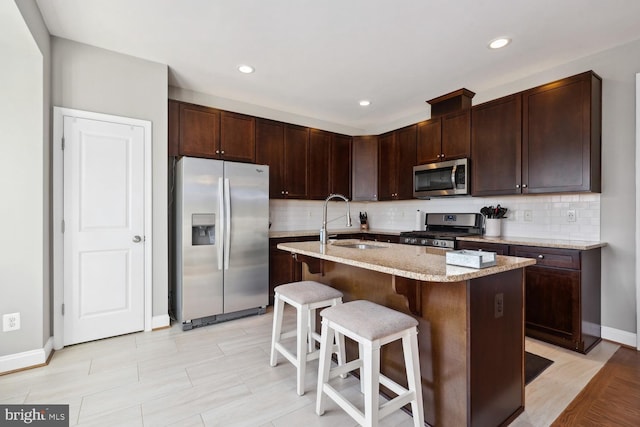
222,238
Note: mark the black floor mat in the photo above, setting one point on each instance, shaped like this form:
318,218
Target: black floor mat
533,366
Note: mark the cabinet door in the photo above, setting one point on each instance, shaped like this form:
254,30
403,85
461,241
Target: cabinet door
406,152
456,135
387,167
296,152
199,131
496,147
318,171
553,304
561,135
237,137
174,128
365,168
429,143
340,165
270,151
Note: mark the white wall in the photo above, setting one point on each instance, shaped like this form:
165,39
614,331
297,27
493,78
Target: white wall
93,79
23,280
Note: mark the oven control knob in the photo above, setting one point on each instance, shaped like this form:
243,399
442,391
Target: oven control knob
423,242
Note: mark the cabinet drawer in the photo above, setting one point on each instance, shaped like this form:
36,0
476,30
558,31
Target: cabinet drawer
549,257
498,248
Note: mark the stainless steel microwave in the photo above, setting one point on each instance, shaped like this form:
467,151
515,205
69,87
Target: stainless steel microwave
450,178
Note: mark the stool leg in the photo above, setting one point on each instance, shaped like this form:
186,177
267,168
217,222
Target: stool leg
278,313
326,340
301,351
412,363
311,330
371,367
361,356
341,352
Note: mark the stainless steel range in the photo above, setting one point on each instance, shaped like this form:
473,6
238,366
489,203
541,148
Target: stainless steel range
442,229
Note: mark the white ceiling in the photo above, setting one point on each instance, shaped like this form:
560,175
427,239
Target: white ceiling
318,58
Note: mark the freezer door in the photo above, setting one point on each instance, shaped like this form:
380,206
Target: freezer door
200,238
247,248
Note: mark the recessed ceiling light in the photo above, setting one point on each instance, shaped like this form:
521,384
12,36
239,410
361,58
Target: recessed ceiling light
498,43
247,69
365,103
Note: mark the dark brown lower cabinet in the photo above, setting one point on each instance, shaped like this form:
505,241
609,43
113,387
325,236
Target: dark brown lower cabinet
562,293
282,267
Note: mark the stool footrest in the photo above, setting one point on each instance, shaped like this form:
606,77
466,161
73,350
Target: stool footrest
392,385
396,403
345,369
347,406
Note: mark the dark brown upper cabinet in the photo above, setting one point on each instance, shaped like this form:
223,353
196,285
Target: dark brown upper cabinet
296,161
396,159
365,168
200,131
270,151
496,146
561,135
444,138
543,140
285,148
237,137
318,171
340,165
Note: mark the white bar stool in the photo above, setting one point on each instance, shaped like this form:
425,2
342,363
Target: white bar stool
371,326
306,297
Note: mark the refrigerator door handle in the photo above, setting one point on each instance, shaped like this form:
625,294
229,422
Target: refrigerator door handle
227,226
220,225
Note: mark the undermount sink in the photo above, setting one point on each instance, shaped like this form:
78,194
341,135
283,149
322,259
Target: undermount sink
358,246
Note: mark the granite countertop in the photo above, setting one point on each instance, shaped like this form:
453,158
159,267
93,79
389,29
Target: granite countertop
352,230
531,241
414,262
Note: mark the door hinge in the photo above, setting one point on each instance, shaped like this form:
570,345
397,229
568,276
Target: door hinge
63,226
63,309
63,142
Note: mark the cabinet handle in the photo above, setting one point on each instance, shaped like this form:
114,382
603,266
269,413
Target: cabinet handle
540,256
517,185
222,152
524,185
217,151
286,192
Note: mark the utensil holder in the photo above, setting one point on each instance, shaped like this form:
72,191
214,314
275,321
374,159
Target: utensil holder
492,227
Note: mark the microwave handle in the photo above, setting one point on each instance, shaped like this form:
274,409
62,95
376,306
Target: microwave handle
453,177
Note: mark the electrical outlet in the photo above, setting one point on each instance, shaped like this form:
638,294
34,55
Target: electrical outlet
10,322
571,215
498,304
528,215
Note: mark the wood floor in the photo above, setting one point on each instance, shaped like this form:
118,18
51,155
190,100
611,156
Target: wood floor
219,375
612,397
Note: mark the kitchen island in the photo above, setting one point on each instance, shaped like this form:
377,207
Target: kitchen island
471,322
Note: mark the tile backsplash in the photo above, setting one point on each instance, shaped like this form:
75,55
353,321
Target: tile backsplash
543,216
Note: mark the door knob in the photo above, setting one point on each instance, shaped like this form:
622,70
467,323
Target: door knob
137,239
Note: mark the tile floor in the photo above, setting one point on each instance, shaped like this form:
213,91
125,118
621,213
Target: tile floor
219,375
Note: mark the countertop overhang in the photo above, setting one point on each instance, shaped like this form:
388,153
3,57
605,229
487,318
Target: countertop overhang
413,262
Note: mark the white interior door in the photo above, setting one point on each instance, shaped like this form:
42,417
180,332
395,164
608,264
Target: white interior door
104,229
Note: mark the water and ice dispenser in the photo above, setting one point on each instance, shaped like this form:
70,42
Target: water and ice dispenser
203,229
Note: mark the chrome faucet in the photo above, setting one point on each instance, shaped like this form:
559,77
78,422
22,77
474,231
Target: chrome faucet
323,231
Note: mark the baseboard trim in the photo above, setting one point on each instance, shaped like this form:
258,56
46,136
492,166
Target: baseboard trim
160,322
26,359
619,336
